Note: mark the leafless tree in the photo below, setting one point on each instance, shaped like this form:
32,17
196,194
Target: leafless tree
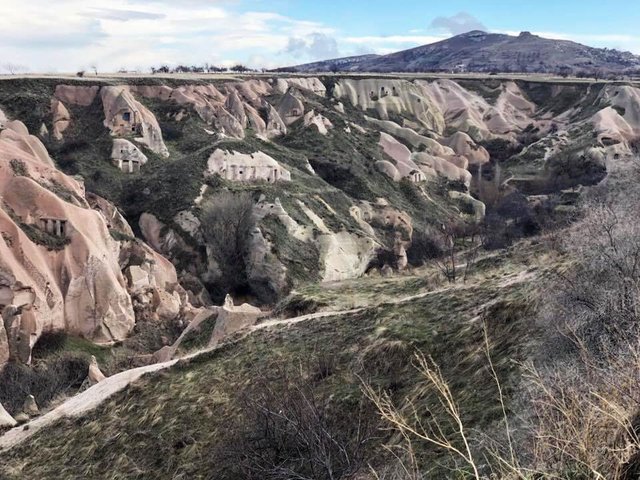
227,223
13,68
460,244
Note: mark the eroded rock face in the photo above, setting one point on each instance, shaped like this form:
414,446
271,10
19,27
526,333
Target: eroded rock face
392,96
59,265
125,117
290,107
61,118
321,123
619,123
419,166
76,95
240,167
126,156
95,375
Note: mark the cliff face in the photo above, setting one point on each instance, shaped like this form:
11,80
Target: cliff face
60,267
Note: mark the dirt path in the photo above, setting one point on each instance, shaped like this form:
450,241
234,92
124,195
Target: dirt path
94,396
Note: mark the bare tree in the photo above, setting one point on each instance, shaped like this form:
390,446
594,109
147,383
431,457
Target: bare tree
460,244
13,68
227,223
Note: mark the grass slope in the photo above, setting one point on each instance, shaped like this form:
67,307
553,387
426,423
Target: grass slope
181,423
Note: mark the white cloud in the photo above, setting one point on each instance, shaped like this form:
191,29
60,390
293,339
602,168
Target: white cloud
316,46
459,23
139,33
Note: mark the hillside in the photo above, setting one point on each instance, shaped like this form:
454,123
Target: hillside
478,51
280,243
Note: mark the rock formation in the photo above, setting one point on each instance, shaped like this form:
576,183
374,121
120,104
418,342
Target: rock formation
126,156
6,420
391,96
126,117
59,265
232,318
240,167
95,375
30,406
60,118
290,108
318,121
77,95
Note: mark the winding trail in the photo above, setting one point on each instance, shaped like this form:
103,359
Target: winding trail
91,398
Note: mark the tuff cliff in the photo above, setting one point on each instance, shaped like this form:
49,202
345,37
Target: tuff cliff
68,260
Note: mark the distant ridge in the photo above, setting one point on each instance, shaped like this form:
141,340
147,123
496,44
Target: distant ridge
478,51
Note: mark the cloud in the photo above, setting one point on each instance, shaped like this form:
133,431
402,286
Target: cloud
78,33
315,46
459,23
122,15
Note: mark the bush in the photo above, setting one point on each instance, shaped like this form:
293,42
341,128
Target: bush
288,429
63,374
424,247
19,168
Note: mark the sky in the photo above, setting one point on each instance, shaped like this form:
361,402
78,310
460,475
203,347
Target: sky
72,35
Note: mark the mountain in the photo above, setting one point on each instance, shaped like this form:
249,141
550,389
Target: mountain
479,51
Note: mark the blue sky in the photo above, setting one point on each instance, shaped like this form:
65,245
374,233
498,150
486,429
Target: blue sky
135,34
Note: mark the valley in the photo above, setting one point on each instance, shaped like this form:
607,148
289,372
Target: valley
225,248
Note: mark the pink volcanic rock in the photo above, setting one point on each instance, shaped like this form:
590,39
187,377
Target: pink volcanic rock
77,287
230,109
401,155
463,144
76,95
60,118
125,116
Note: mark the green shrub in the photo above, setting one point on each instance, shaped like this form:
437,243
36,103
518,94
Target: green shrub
19,168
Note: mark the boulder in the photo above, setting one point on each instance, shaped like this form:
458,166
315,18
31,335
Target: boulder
95,375
233,318
6,420
166,305
30,407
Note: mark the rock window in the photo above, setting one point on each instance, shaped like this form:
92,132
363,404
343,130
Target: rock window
126,116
